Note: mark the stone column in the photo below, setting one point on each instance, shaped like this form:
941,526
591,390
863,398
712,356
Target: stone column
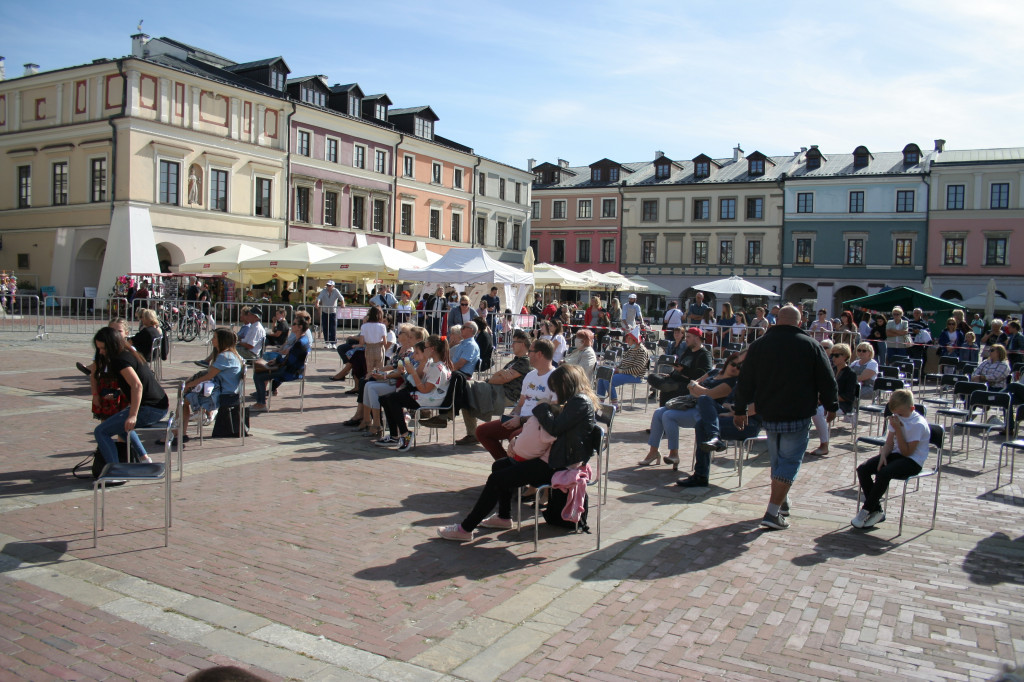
132,105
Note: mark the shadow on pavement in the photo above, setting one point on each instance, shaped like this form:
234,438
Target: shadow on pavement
996,559
844,545
438,560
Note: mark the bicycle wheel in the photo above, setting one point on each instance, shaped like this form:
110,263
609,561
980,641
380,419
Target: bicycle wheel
190,329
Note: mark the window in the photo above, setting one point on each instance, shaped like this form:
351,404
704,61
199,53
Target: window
424,128
701,209
517,236
702,169
407,166
302,146
1000,195
24,186
557,250
170,172
650,210
725,252
607,250
756,167
331,209
857,202
302,204
904,252
499,239
380,111
379,206
535,247
98,180
23,261
218,190
804,202
584,208
700,252
457,182
608,208
277,79
501,188
435,223
583,251
755,208
662,171
855,252
558,209
595,175
519,193
954,197
358,156
456,227
359,212
953,251
754,252
727,209
332,150
262,207
380,161
483,185
481,229
905,201
406,226
613,174
313,96
355,105
803,251
995,251
435,173
60,183
535,210
648,251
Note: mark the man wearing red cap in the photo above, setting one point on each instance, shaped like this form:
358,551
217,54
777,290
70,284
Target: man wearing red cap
690,365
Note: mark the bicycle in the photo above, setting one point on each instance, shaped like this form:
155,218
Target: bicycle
190,324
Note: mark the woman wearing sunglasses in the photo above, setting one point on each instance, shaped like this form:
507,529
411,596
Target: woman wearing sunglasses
839,354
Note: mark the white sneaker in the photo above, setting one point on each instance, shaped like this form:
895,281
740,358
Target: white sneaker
495,521
860,518
873,518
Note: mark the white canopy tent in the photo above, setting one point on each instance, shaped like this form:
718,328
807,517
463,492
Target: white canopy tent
224,262
981,303
731,286
652,288
373,261
286,264
477,271
545,274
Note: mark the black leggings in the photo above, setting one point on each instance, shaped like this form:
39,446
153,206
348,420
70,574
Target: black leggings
874,483
392,405
506,475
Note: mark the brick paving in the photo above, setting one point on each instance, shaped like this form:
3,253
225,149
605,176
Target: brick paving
310,554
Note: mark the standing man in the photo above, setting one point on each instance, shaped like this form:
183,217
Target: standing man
773,317
786,374
695,314
192,292
384,298
434,310
493,307
917,324
897,333
327,303
631,315
673,319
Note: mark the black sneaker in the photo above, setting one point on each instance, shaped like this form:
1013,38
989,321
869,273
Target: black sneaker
693,482
784,508
777,522
713,445
405,443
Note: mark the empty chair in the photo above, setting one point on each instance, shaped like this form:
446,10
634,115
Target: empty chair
946,385
984,401
1010,447
883,387
962,391
947,366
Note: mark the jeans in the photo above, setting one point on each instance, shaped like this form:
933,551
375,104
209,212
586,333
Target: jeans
617,380
668,422
897,466
260,381
506,476
114,426
329,326
393,405
787,452
710,426
894,353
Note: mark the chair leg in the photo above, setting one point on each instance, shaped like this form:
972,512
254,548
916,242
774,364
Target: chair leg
903,504
536,520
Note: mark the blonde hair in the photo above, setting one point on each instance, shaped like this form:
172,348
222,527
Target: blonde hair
902,397
148,318
843,349
864,345
997,352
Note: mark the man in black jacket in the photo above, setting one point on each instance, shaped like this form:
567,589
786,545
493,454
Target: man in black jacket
786,374
692,364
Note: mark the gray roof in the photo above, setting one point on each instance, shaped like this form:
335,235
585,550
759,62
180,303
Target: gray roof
245,66
205,70
841,165
1004,154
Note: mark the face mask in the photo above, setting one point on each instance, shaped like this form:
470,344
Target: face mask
579,343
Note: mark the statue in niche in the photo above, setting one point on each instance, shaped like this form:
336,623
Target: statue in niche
195,185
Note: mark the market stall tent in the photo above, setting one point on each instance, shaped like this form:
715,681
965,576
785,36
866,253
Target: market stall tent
937,310
476,271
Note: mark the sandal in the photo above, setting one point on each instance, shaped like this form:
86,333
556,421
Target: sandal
353,422
819,451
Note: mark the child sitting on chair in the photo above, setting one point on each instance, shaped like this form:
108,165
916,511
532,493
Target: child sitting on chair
902,456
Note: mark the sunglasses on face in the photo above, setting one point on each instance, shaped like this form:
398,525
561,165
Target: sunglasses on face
836,355
862,350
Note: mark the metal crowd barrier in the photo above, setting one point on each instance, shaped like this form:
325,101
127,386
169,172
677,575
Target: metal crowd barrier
24,314
229,313
80,314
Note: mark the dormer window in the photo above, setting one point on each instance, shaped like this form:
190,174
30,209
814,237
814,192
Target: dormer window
662,171
380,112
613,174
313,96
424,128
701,169
755,167
277,79
813,158
595,175
354,106
911,154
861,157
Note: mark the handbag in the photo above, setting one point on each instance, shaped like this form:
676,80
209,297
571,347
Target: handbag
682,402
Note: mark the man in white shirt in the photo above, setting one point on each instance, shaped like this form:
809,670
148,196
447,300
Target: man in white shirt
384,298
535,390
327,304
252,336
631,315
672,320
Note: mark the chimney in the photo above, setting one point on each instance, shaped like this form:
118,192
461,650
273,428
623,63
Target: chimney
530,164
31,69
737,153
940,145
562,163
802,150
139,41
3,70
658,155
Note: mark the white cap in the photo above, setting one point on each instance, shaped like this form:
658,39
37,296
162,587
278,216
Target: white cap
635,333
632,296
330,282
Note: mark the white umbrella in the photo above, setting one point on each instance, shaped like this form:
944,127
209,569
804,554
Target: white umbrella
626,284
927,286
980,302
288,264
601,279
545,274
652,288
373,260
221,262
731,286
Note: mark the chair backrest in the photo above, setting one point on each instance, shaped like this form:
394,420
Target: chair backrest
990,399
664,365
948,361
608,356
886,383
966,388
604,372
1016,391
456,385
936,436
888,371
951,380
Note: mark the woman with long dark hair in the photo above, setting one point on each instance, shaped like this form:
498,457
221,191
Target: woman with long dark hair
147,400
425,386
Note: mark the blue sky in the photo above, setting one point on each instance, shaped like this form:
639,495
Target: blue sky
588,80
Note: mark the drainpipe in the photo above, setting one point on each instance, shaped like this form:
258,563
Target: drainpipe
622,229
472,209
926,179
394,193
781,184
288,181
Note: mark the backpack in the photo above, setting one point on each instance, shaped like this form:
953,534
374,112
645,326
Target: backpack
226,424
557,500
98,462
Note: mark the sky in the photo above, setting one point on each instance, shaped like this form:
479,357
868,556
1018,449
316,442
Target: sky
582,81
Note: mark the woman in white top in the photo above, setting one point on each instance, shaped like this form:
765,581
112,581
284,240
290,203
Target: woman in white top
821,328
552,331
426,386
373,335
739,327
866,369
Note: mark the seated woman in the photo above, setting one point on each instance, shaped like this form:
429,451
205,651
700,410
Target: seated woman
147,401
552,331
632,368
865,368
902,456
383,382
847,380
666,421
149,335
118,324
425,386
225,373
582,355
571,429
995,369
950,340
289,368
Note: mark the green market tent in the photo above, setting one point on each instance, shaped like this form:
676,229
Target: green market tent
936,309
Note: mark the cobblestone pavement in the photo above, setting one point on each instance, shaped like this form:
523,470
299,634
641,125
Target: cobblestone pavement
310,554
